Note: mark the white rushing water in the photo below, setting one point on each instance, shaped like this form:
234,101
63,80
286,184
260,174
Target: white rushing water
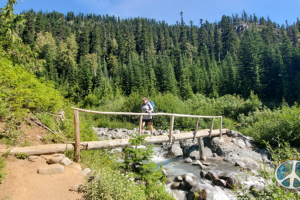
177,166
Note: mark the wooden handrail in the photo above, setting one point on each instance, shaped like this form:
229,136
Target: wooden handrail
171,115
151,114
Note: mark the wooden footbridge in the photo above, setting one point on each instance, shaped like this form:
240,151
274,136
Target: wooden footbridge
77,146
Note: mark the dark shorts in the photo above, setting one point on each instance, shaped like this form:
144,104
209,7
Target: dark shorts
147,120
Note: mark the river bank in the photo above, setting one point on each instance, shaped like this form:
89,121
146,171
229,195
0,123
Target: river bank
234,157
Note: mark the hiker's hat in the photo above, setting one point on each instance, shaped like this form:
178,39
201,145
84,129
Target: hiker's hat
144,99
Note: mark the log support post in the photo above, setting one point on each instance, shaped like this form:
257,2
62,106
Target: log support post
211,127
140,125
221,119
201,148
77,136
196,129
171,129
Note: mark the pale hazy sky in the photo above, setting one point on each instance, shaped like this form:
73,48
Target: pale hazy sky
168,10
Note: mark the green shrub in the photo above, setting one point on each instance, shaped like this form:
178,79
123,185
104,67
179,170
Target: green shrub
113,184
22,92
139,161
2,166
21,155
283,122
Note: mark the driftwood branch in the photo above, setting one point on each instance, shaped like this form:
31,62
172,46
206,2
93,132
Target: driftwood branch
46,127
41,124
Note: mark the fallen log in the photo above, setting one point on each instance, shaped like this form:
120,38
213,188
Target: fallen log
106,144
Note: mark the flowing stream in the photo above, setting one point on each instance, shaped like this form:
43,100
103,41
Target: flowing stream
177,166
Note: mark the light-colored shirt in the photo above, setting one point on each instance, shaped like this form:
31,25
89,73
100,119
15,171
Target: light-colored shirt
145,108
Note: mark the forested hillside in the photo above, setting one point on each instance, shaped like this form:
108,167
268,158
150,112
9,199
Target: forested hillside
90,56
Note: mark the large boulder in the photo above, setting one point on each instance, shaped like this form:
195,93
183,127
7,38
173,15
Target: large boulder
188,160
190,182
191,149
175,150
219,182
211,176
230,179
239,150
178,179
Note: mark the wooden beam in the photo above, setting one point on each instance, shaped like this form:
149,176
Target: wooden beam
196,129
201,148
77,136
152,114
140,125
171,129
105,144
221,120
211,126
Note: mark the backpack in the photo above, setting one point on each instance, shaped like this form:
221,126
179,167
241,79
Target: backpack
152,104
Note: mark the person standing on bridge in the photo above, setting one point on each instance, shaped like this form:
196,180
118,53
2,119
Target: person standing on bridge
146,108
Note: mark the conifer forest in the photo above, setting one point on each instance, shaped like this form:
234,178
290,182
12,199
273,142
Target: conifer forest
89,56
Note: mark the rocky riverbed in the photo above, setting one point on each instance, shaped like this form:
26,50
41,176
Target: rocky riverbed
231,161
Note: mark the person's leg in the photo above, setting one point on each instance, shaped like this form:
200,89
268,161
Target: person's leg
151,127
143,127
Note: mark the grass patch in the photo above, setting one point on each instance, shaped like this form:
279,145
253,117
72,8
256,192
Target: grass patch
21,155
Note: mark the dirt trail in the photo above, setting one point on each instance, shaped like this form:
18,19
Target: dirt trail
24,183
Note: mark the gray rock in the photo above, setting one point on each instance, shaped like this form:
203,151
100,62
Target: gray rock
75,188
90,174
32,158
101,133
230,179
155,133
188,160
175,151
54,160
233,152
176,132
175,185
190,182
203,174
116,150
214,155
206,164
51,169
219,182
197,162
183,186
240,163
164,172
178,179
65,161
169,180
195,155
59,155
211,176
85,171
188,174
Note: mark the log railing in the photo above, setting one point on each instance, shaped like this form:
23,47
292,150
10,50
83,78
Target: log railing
171,138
